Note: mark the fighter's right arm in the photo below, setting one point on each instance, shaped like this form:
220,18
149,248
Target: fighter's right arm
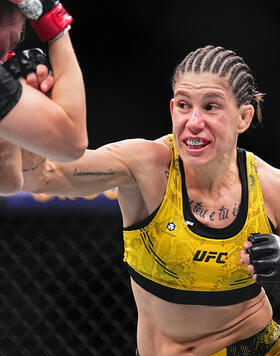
98,170
128,164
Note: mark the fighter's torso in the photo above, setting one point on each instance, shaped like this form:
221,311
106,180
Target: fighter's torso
176,257
158,316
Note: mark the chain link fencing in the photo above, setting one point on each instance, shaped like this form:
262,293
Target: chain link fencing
64,290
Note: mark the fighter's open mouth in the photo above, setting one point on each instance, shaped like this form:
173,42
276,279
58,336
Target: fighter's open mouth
196,143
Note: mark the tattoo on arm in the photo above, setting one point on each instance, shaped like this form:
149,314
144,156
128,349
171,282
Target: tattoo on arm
79,173
32,169
112,146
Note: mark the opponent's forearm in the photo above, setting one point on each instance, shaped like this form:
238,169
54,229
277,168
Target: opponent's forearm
30,119
60,122
38,124
51,21
68,91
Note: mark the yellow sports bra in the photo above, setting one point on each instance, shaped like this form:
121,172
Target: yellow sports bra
175,257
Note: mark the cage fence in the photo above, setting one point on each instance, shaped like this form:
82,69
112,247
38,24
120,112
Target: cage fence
64,289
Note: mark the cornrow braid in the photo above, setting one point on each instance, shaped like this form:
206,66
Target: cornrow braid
224,63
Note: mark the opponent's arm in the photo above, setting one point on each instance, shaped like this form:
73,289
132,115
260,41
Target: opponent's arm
33,65
54,127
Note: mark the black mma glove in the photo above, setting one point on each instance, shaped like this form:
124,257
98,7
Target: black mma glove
10,92
26,62
265,257
49,18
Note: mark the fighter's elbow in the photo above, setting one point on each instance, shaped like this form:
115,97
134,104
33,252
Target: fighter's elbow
74,154
74,150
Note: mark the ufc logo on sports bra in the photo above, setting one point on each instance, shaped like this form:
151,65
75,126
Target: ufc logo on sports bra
207,256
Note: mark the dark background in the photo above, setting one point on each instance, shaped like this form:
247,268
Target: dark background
128,51
64,288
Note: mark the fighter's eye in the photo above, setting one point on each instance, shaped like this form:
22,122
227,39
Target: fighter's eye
211,107
183,105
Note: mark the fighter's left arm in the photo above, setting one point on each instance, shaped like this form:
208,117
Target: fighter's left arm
261,253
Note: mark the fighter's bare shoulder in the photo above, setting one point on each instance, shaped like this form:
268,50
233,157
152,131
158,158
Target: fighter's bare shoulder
141,151
269,175
270,183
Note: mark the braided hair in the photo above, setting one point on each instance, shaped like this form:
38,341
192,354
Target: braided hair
224,63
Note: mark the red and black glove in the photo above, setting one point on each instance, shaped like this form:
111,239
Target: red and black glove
48,18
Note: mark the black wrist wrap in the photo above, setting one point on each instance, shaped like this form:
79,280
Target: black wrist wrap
10,92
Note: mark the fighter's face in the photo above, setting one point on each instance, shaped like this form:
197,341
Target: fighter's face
10,34
206,118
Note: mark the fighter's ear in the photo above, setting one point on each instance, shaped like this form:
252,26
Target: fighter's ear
245,117
171,106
